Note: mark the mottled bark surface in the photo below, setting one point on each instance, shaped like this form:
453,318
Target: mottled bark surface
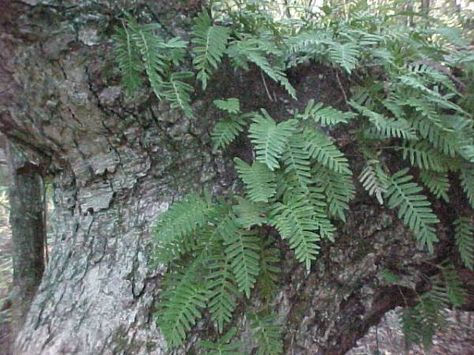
116,163
28,226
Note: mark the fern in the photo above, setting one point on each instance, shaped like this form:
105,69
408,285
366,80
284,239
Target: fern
423,156
242,250
295,222
209,46
231,105
325,152
222,291
270,138
414,208
467,180
258,179
176,226
267,333
297,162
339,190
269,269
345,55
464,235
437,183
249,214
128,59
222,346
374,180
324,115
177,92
225,132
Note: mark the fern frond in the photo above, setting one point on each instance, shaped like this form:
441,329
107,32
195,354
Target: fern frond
258,179
297,161
295,221
177,92
414,208
128,59
389,128
345,55
324,151
423,156
249,214
324,115
267,334
437,183
338,188
269,269
243,251
467,181
223,346
222,291
180,310
464,235
441,138
175,227
452,286
374,180
254,50
231,105
225,132
270,138
209,46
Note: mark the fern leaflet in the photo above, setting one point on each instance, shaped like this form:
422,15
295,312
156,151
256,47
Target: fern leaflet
437,183
258,179
267,333
464,235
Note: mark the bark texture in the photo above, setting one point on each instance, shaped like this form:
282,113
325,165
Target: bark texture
116,164
27,221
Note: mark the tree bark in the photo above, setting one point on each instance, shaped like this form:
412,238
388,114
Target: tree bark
117,163
27,221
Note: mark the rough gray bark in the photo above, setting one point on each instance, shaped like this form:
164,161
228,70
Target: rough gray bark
27,221
116,164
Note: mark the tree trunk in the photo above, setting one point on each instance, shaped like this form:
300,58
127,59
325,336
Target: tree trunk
27,221
117,163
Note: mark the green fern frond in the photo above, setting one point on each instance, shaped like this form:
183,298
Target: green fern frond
180,310
423,156
338,188
345,55
128,59
175,227
467,181
231,105
269,269
249,214
222,291
177,92
324,115
441,138
295,221
223,346
254,50
210,43
452,286
267,334
324,151
437,183
243,251
258,179
464,235
225,132
270,138
414,208
297,161
387,127
374,180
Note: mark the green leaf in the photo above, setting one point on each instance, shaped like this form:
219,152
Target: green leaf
231,105
414,208
324,115
225,132
177,92
270,138
222,346
437,183
464,235
374,180
467,181
210,43
258,179
267,333
345,55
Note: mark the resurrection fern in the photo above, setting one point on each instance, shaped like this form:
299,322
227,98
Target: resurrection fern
414,209
270,138
267,333
404,111
210,43
464,234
